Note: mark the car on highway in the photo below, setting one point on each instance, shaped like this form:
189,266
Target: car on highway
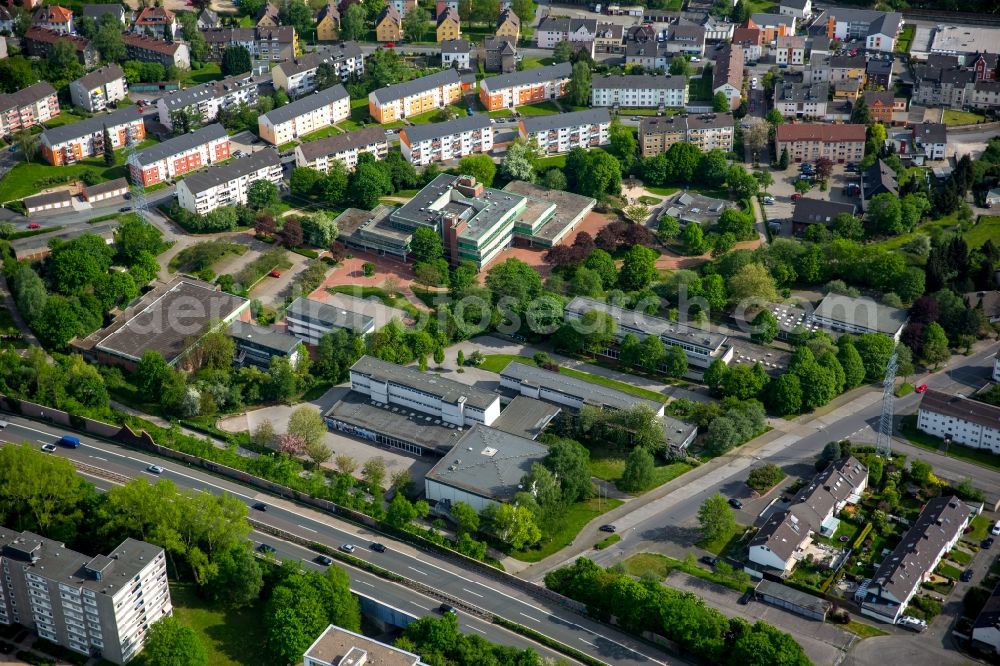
735,503
966,576
607,528
260,506
987,543
996,529
912,623
324,560
49,448
347,547
154,469
921,388
447,609
377,547
34,225
266,549
70,441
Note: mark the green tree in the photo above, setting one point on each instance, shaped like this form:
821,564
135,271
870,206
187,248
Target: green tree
765,327
860,115
373,472
753,282
713,168
135,236
109,149
481,167
786,395
875,350
604,265
850,361
721,103
416,23
170,642
401,512
426,245
262,194
652,353
369,183
307,423
743,382
668,228
638,268
680,67
884,215
563,51
716,519
570,462
513,525
352,25
516,281
320,230
764,477
239,578
466,518
694,238
109,43
236,60
622,142
150,374
675,362
579,85
384,68
40,493
639,469
518,163
935,348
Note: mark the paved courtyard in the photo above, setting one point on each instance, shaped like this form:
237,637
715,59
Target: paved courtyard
784,187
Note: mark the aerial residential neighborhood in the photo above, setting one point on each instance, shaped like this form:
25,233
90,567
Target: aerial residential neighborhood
444,332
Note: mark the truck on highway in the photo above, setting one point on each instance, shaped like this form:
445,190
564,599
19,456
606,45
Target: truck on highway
70,441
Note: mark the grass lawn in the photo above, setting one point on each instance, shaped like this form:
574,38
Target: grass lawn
501,113
540,109
429,296
960,556
64,118
909,432
661,566
721,545
905,38
953,117
948,571
943,224
320,134
287,146
663,191
980,528
392,301
557,161
231,637
211,71
862,630
611,467
20,181
610,541
428,117
649,201
497,362
536,63
987,228
577,516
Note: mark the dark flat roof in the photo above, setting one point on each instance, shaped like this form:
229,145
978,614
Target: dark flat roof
329,316
394,421
265,336
526,417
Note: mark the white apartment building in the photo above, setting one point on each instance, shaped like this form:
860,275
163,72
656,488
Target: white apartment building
96,90
181,154
437,142
961,420
795,99
450,401
554,29
227,185
305,115
298,77
639,91
412,98
858,316
310,320
28,107
206,100
789,50
507,91
91,605
701,347
561,133
344,147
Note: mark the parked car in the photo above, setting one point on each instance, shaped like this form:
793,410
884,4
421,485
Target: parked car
768,201
608,528
996,529
377,547
912,623
324,560
154,469
921,388
124,209
49,448
347,547
390,45
966,576
796,196
987,543
746,598
34,225
275,274
735,503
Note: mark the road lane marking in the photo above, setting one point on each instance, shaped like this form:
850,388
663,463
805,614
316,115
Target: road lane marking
471,592
364,582
308,529
419,606
469,626
533,619
422,573
589,643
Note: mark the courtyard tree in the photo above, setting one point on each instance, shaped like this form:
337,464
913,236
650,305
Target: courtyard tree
716,519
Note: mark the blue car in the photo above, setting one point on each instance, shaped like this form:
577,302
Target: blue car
71,441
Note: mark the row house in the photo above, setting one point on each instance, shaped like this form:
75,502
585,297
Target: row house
28,107
508,25
55,18
610,38
561,133
305,115
708,131
228,184
263,42
68,144
501,54
93,92
411,98
327,23
727,77
685,37
772,26
882,105
389,25
180,155
878,74
878,30
97,11
790,50
798,99
985,95
807,142
204,101
800,9
943,81
645,91
649,55
439,142
157,22
528,87
751,41
298,76
717,30
150,49
320,154
931,139
39,42
554,29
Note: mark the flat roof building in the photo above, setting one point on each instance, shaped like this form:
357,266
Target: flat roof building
484,467
859,315
257,345
534,382
340,647
310,320
526,417
170,319
701,347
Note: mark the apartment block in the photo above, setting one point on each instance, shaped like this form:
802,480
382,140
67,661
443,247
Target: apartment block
700,346
797,99
298,76
554,29
708,131
508,91
150,49
227,184
39,42
263,42
70,143
344,147
412,98
28,107
305,115
437,142
858,316
406,387
878,30
772,26
790,50
727,77
206,100
961,420
639,91
101,605
648,55
158,22
807,142
882,105
93,92
562,132
181,154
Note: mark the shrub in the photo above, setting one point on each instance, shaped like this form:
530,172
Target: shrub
368,268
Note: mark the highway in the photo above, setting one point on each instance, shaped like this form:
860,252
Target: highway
470,587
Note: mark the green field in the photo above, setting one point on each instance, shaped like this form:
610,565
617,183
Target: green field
905,39
393,301
660,566
954,117
862,630
428,117
64,118
320,134
210,71
577,516
611,469
231,637
662,191
986,229
535,63
540,109
543,163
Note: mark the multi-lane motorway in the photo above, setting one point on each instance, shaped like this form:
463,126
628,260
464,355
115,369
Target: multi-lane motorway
494,596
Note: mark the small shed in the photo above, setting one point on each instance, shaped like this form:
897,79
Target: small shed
793,600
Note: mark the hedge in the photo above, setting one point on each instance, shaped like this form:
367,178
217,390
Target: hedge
861,536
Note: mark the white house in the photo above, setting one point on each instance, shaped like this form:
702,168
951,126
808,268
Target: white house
228,184
203,102
560,133
790,50
800,9
344,147
298,76
554,29
305,115
639,91
96,90
931,139
959,419
455,139
456,53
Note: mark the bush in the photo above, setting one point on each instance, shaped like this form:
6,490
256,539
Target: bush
765,477
368,268
860,539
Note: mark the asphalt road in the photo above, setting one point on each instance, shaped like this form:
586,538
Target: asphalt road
451,580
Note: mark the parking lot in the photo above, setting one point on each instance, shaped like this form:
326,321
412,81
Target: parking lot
784,188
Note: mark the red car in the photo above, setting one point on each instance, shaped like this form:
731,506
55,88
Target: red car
34,225
921,388
275,274
390,45
796,196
